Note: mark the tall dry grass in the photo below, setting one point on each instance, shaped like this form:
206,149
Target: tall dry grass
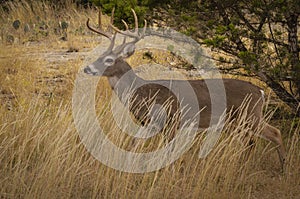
41,154
43,157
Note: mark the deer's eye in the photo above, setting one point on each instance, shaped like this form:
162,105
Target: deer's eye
109,61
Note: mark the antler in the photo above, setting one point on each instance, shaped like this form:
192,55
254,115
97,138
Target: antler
134,34
110,37
98,31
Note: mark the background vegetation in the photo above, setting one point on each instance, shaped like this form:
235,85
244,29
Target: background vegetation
43,45
260,37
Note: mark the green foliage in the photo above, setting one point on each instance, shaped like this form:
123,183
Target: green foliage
188,18
170,48
249,59
261,35
190,31
216,41
123,10
64,25
16,24
10,39
221,29
26,28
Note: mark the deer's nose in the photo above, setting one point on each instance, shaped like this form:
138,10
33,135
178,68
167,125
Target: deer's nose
87,70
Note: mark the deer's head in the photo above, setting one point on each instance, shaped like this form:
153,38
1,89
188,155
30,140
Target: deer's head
111,61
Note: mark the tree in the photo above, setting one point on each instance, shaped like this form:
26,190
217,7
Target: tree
262,36
122,10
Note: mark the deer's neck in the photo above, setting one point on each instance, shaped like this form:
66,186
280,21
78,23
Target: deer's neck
124,77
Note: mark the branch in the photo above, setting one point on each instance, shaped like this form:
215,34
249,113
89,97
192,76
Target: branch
275,45
240,14
271,40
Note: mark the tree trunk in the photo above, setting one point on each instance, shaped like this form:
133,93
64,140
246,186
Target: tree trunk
281,92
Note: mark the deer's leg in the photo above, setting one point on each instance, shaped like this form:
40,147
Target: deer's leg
273,134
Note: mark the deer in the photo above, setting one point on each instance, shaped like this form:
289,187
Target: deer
112,64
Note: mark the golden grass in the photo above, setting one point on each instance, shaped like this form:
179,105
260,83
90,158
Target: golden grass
41,155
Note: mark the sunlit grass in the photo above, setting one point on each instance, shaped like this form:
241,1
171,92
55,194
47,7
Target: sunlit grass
42,156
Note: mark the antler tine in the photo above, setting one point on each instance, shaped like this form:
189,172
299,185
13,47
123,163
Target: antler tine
127,32
136,23
145,27
98,31
134,34
112,15
125,24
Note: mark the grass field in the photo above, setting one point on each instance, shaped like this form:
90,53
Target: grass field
41,155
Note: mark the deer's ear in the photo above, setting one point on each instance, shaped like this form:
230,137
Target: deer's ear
128,50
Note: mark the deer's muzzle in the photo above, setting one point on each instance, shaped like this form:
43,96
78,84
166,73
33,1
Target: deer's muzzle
88,70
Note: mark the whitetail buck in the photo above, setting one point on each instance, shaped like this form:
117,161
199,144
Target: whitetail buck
112,65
